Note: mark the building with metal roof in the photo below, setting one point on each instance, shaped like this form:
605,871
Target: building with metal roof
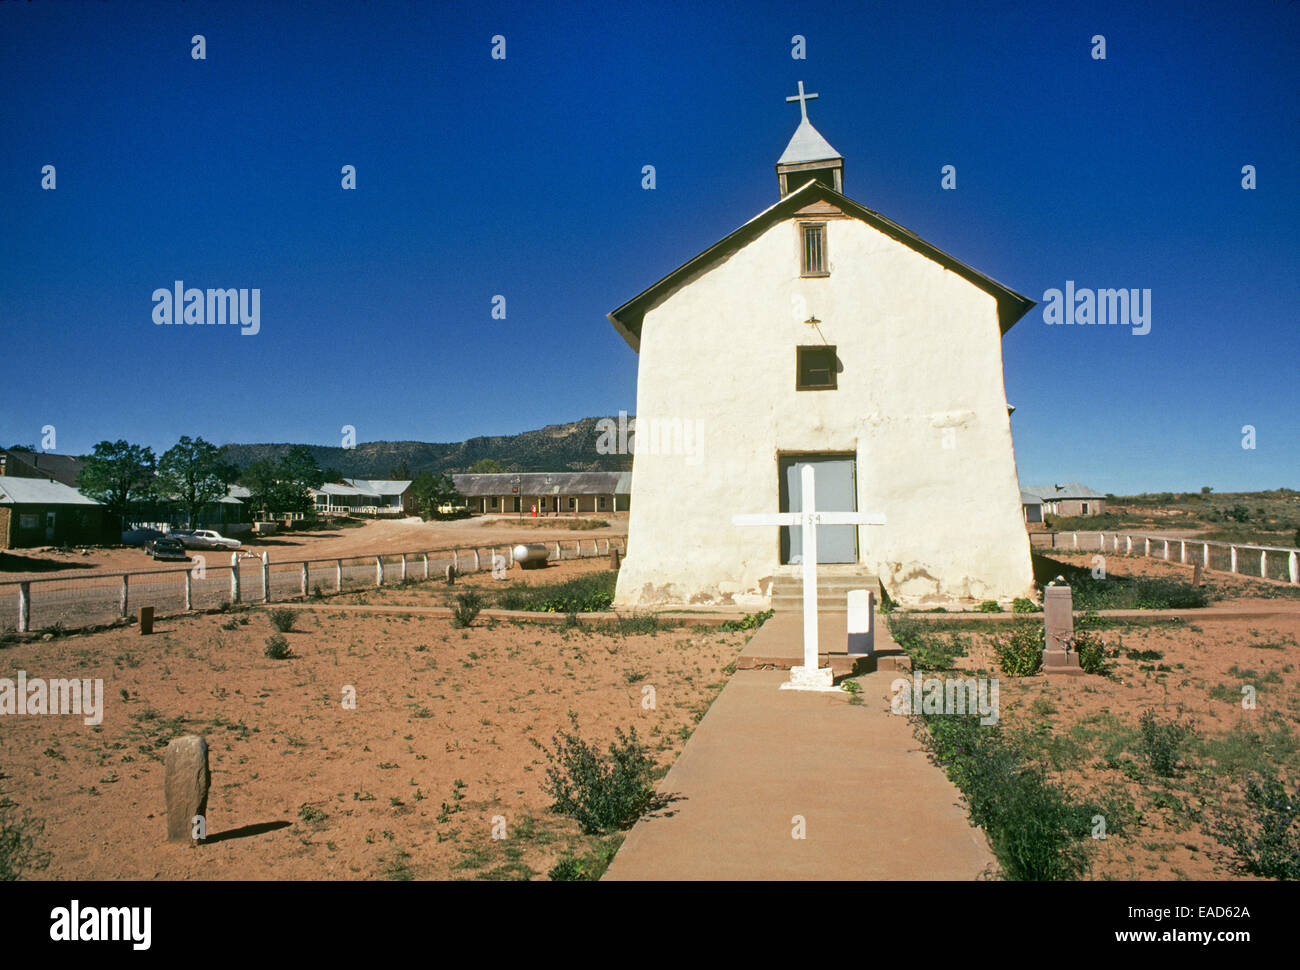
37,511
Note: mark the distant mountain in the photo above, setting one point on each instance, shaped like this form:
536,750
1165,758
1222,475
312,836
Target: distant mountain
557,447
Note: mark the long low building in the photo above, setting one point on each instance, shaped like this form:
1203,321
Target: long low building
549,492
38,512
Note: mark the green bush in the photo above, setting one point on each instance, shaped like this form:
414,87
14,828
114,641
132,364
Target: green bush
1269,845
989,606
19,853
591,593
1119,592
1020,651
928,650
584,868
1022,605
283,619
1036,828
1091,650
277,647
750,621
603,792
1162,742
468,606
633,624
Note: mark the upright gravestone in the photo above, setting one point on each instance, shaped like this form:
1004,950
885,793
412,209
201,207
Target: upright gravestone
1058,612
862,632
1197,578
186,768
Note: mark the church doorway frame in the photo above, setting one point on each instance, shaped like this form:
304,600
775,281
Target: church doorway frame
786,459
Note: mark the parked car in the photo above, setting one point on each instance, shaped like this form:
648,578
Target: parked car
138,537
167,547
205,539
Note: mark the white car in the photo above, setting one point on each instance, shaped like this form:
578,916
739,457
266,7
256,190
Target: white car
207,539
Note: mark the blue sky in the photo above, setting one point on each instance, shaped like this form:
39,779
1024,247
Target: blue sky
522,177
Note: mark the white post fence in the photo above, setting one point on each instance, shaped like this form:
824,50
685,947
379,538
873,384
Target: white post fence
1234,549
105,597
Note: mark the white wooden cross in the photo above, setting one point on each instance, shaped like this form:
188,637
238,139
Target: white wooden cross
809,676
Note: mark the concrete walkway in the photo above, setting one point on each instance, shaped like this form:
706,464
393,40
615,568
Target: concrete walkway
873,805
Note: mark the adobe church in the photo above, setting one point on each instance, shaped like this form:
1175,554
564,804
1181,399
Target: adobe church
822,333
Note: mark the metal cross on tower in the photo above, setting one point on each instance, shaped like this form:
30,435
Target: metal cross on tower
803,100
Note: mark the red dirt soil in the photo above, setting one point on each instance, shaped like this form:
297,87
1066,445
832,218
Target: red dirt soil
366,793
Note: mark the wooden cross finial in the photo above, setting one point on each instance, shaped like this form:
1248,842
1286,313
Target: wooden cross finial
803,100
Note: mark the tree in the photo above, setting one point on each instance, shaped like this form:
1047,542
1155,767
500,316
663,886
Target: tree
486,466
283,485
298,475
260,480
118,473
1206,490
193,473
430,491
400,472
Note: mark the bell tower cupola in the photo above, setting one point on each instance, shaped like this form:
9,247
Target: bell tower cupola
809,155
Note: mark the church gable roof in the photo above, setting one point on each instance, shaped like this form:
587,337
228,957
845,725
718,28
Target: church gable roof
628,318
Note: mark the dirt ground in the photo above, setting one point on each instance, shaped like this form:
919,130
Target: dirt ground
371,538
1086,729
407,785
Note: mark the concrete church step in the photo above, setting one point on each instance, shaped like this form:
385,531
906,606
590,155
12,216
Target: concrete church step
832,590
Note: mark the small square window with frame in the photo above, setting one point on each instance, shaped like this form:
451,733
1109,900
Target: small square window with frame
815,368
812,244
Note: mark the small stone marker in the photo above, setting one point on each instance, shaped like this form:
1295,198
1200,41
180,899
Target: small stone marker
862,632
1058,612
613,557
1197,578
146,620
450,574
186,766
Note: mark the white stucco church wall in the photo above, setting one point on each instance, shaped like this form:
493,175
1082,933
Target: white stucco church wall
920,404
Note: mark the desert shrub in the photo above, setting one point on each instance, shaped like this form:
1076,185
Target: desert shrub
928,650
633,624
313,816
467,608
1036,828
1020,651
1269,843
1162,742
283,619
603,792
591,593
277,647
750,621
584,868
1091,650
19,851
1119,592
989,606
1022,605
